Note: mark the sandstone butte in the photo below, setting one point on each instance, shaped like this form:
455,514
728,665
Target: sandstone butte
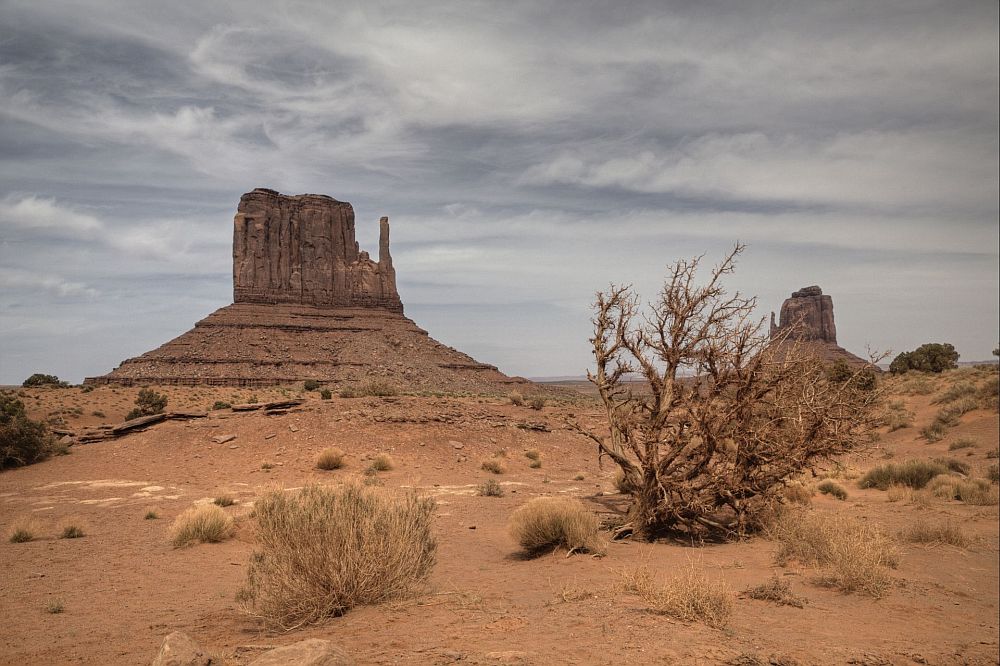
809,315
308,303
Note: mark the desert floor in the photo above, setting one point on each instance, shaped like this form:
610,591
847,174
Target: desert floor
123,587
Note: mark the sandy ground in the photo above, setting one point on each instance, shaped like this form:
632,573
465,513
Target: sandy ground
123,587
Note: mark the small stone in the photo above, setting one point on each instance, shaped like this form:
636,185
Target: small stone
271,435
293,428
457,445
310,652
222,439
178,649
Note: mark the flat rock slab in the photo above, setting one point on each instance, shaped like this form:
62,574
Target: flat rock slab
136,424
311,652
266,406
222,439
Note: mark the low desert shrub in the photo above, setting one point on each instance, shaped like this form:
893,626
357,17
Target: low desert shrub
797,492
833,489
962,443
331,458
383,462
913,473
201,524
38,379
897,416
220,404
993,453
71,532
379,389
533,454
322,551
348,392
777,590
147,403
516,398
934,432
956,391
689,596
22,440
54,606
535,464
311,385
853,555
954,465
494,465
976,492
937,532
151,515
545,523
224,500
993,473
326,394
490,488
536,403
22,531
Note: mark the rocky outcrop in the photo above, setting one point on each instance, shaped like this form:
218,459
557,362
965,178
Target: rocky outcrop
302,249
807,318
309,305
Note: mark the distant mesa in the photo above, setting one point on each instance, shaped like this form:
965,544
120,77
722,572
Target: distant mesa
807,317
308,303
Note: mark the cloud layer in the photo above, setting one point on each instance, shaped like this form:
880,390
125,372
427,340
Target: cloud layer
527,154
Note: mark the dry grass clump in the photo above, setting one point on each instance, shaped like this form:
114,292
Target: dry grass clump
151,515
536,403
915,383
933,533
224,500
976,492
912,473
331,458
777,590
490,488
550,522
689,596
383,462
832,488
954,465
993,473
948,416
516,398
321,551
854,555
54,606
533,454
22,531
897,416
962,443
494,465
71,532
622,484
201,524
957,391
797,492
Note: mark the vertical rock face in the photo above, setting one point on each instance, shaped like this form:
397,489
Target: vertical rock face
302,249
812,311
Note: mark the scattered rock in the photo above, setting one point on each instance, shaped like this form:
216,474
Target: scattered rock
457,445
222,439
310,652
178,649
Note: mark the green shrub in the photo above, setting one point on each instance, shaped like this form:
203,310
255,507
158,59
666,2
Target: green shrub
147,403
322,551
913,473
326,394
310,385
931,357
219,404
22,440
833,488
38,379
549,522
151,515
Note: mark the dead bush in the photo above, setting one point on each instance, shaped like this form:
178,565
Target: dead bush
976,492
494,465
962,443
546,523
689,596
797,492
533,454
322,551
897,416
536,403
516,398
490,488
945,532
224,500
201,524
853,555
777,590
724,414
331,458
383,462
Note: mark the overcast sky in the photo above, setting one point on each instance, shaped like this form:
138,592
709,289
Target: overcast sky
527,153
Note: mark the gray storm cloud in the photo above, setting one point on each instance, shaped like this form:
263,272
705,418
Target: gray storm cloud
527,153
